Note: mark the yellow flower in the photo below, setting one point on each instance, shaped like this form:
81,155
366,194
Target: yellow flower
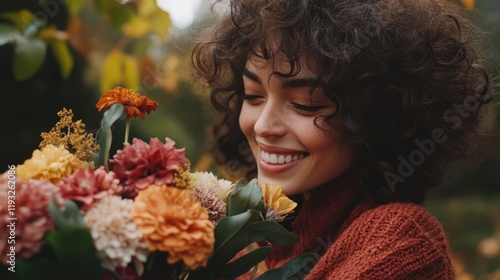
50,163
173,221
136,105
277,204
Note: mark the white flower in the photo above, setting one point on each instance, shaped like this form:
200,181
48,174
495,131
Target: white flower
116,237
208,180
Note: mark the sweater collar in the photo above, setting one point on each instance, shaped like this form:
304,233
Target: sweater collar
320,219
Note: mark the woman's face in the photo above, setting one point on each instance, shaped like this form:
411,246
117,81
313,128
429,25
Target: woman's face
277,119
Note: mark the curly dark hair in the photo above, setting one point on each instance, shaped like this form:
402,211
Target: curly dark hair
407,77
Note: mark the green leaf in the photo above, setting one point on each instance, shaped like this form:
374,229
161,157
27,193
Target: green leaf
243,197
69,218
76,254
35,268
296,268
7,34
28,58
231,236
63,56
227,227
272,232
102,5
105,135
244,263
119,13
21,19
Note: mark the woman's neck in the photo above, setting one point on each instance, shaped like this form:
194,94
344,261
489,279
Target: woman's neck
346,179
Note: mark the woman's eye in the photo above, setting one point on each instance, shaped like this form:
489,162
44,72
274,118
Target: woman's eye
250,97
301,107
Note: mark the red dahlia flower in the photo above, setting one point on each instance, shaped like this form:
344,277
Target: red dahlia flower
141,164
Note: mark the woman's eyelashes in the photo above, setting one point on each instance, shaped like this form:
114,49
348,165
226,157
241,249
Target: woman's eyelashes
307,108
254,98
250,98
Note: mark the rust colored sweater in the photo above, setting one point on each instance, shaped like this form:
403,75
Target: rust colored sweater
358,239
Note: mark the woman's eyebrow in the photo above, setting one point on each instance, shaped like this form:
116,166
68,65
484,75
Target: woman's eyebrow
302,82
251,76
288,83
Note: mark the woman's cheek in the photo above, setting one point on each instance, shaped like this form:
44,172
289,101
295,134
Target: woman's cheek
247,120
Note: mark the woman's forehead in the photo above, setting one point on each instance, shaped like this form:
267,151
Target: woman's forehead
280,63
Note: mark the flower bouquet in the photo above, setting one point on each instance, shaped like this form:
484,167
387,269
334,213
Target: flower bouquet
74,212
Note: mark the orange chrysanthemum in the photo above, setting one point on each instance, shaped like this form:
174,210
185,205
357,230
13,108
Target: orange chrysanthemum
135,104
173,221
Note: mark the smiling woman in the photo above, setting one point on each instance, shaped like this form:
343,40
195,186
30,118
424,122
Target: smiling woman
330,96
277,116
181,12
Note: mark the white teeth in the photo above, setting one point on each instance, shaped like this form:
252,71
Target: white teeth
265,156
279,158
273,158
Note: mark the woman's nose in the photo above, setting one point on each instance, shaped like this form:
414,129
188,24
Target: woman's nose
271,122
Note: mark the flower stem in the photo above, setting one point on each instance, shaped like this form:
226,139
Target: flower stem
127,130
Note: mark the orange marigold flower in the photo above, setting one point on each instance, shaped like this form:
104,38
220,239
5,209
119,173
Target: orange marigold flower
135,104
173,221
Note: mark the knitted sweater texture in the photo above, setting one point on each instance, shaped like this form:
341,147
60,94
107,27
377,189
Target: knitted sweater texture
357,238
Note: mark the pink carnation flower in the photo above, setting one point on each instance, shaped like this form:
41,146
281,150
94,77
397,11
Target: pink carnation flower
86,186
31,213
141,164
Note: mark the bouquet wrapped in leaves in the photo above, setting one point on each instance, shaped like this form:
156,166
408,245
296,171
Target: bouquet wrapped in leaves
141,214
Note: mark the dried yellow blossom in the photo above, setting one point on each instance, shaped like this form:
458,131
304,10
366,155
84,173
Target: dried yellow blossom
50,163
183,178
71,135
277,204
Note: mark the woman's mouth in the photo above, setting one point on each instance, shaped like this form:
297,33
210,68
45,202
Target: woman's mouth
275,158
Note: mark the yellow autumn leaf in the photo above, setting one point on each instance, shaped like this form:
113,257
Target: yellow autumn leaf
172,77
130,72
119,69
137,27
468,4
159,20
160,23
63,55
147,7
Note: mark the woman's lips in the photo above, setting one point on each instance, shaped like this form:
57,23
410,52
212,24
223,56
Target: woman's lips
276,158
279,162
